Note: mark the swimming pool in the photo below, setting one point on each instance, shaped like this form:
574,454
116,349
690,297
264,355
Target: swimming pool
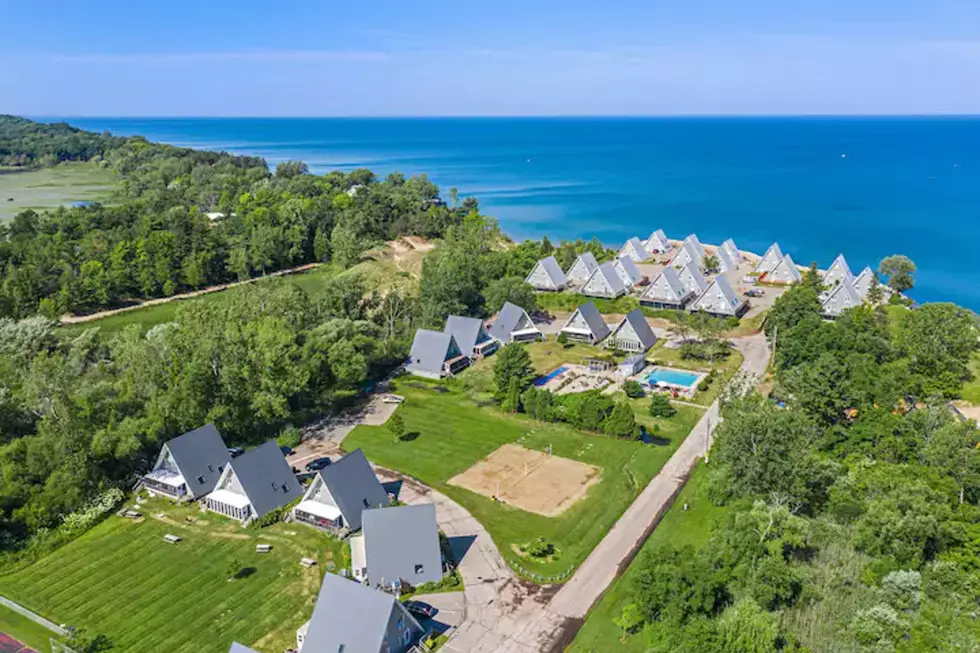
541,380
681,378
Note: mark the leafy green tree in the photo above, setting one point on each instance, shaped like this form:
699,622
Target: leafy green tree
396,426
512,401
938,340
633,389
510,289
711,264
513,364
897,270
799,303
621,422
675,585
953,450
660,406
747,628
593,409
629,620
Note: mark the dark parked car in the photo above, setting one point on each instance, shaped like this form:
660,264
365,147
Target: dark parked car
235,451
318,464
286,450
420,610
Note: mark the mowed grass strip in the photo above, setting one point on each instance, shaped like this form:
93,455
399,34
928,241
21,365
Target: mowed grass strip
679,528
448,433
24,630
122,580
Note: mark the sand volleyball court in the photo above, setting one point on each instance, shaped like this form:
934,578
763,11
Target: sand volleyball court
530,480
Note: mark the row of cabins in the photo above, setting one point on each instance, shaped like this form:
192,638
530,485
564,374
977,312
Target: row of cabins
680,285
632,334
842,290
437,354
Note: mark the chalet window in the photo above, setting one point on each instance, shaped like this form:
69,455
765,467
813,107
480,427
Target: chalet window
210,468
221,468
419,569
366,505
200,479
285,488
275,487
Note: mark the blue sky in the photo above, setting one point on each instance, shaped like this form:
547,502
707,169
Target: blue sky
465,57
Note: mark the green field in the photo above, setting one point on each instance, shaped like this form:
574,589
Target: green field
448,431
123,581
24,630
51,187
680,528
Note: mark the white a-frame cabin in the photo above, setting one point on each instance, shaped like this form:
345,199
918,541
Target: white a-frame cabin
690,275
725,262
627,271
733,253
547,275
632,334
841,298
785,272
635,250
604,283
586,325
720,300
837,273
657,243
695,244
666,291
770,259
581,269
686,255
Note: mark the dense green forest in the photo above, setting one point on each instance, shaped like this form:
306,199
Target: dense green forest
852,519
84,412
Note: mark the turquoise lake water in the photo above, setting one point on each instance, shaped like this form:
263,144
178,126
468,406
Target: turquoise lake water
865,187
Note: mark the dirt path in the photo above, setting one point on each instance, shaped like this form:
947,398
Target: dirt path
78,319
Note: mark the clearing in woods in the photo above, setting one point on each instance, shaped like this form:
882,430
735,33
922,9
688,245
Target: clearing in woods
530,480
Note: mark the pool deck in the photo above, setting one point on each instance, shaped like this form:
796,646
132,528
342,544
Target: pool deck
687,391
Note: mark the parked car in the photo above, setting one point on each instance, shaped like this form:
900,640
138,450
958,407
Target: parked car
286,450
393,399
317,464
753,292
235,451
419,609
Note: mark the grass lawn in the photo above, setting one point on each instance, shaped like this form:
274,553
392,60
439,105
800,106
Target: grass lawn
51,187
679,527
449,432
971,389
123,581
23,629
311,281
724,369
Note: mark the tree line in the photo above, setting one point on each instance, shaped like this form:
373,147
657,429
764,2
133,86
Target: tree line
851,494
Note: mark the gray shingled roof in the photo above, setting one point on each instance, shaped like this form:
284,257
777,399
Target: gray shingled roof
398,541
589,259
266,478
630,267
506,321
641,327
200,453
607,271
594,319
466,332
354,487
429,350
554,270
350,615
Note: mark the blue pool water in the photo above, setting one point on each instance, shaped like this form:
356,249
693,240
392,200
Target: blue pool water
673,377
541,380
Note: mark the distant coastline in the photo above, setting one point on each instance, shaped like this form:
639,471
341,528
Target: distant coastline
907,185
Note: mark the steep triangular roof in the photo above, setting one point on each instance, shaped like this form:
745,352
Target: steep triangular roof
657,242
547,274
686,254
842,297
592,319
265,477
400,540
582,268
636,321
431,349
690,275
352,617
467,331
719,298
507,321
838,272
725,262
634,249
200,453
733,253
353,486
666,287
770,259
627,271
785,272
696,244
864,281
604,282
